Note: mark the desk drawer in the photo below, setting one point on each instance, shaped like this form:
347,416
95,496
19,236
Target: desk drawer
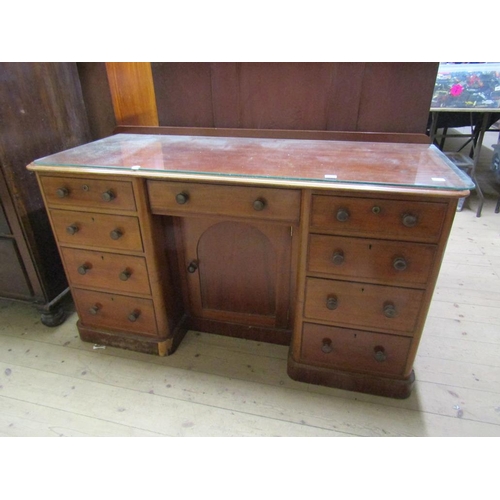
369,259
115,312
88,193
179,198
378,218
107,271
387,308
354,350
97,230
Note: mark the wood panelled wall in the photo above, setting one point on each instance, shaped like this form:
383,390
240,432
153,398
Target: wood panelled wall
42,112
363,97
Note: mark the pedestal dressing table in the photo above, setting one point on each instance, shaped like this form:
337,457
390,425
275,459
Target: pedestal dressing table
330,247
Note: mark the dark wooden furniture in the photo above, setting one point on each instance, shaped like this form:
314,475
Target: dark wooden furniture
42,112
326,96
331,247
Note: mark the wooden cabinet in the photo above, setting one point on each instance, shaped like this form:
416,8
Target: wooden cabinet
370,266
235,265
342,272
42,112
104,236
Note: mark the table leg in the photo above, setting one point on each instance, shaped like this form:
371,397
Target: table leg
477,151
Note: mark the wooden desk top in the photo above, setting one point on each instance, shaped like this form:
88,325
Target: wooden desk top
292,162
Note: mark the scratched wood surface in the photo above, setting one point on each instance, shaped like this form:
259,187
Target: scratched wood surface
52,384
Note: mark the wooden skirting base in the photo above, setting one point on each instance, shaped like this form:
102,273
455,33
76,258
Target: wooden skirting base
158,346
258,333
370,384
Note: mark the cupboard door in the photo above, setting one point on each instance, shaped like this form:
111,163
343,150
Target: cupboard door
236,271
13,280
4,225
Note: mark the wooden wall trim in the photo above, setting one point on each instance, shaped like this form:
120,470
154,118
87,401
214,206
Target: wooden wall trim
348,97
132,93
326,135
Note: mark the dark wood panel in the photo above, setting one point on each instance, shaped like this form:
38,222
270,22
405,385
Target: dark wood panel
344,96
375,97
396,97
4,224
13,279
183,94
97,97
284,95
42,112
226,96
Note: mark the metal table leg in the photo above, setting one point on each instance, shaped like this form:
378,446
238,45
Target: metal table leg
477,151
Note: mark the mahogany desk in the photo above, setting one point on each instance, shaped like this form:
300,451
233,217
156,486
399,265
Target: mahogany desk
330,247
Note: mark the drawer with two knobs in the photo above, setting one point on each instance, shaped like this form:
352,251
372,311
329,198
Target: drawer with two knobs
115,312
405,220
88,193
116,232
354,350
106,271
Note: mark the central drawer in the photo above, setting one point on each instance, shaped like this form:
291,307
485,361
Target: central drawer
97,230
180,198
387,308
107,271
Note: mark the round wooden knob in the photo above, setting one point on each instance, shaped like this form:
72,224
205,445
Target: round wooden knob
259,204
192,267
326,346
108,195
390,310
399,264
182,198
342,215
134,316
73,229
83,269
62,192
338,257
332,302
125,275
94,309
116,234
379,353
409,220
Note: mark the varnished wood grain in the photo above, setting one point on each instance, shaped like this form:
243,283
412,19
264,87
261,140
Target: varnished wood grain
371,299
243,271
113,312
93,230
376,97
204,199
132,93
354,350
88,193
103,271
385,221
371,260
